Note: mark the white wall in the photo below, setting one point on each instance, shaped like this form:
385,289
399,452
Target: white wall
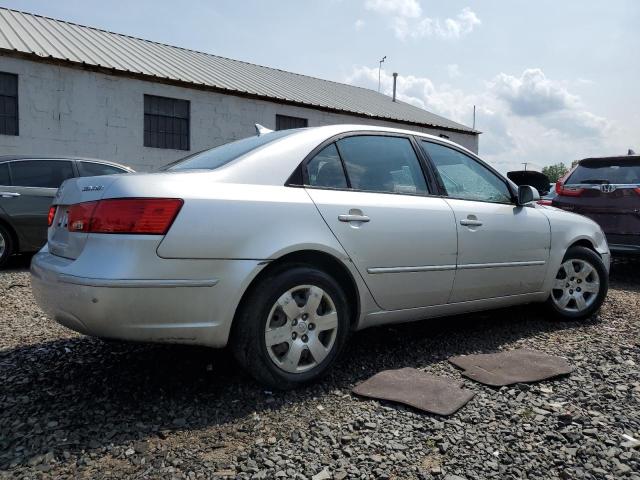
72,112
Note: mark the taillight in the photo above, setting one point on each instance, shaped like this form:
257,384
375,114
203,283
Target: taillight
79,216
148,216
51,216
637,190
562,189
544,201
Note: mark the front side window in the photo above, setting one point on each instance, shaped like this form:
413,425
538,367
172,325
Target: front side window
92,169
166,122
382,164
325,169
8,104
4,174
465,178
40,173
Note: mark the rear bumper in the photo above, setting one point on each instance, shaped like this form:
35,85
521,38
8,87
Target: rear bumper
179,310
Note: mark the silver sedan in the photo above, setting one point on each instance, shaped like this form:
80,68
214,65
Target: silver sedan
283,243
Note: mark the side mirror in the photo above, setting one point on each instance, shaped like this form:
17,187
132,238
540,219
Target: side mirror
527,194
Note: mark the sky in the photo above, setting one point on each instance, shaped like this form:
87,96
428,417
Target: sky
552,81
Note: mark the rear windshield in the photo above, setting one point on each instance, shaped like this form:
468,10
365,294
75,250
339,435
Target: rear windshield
623,172
218,156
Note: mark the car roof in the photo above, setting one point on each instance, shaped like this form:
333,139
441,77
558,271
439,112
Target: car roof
8,158
346,128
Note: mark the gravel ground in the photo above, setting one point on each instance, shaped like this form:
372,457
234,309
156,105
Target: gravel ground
73,406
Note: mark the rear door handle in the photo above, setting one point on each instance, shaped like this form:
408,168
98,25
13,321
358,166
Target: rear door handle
470,223
9,194
353,218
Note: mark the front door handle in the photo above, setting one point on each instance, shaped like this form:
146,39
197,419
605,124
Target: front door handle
353,218
9,194
468,222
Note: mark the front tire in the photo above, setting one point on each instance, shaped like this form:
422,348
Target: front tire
6,246
291,327
580,286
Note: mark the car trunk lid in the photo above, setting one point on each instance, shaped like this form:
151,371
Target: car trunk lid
61,241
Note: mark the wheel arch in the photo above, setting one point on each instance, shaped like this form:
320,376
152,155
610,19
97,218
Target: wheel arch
318,259
583,242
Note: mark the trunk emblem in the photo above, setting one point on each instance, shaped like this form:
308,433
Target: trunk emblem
92,188
607,188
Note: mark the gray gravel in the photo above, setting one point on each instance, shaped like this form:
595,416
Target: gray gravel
73,406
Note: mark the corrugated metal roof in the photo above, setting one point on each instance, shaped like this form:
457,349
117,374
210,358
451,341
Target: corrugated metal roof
45,37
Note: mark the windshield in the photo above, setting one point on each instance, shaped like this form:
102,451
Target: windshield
623,172
218,156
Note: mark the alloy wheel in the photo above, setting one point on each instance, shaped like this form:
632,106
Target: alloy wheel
576,286
301,328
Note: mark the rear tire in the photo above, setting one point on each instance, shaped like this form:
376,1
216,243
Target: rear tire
291,327
6,245
580,286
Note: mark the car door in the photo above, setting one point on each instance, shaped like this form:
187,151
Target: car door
26,201
372,193
502,248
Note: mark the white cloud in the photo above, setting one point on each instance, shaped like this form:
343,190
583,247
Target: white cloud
358,24
407,21
515,129
532,94
453,70
398,8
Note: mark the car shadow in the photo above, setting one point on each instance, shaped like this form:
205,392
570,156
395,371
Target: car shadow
83,394
18,263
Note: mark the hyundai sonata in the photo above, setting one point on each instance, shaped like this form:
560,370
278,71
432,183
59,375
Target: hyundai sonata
283,243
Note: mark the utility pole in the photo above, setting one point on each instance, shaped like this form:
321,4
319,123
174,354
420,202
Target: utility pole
525,165
474,117
379,70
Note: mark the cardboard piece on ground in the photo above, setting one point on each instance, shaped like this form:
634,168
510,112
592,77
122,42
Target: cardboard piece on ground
417,389
514,366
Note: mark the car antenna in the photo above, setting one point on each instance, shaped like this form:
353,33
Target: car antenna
260,130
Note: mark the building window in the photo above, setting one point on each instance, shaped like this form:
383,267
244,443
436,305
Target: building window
8,104
166,123
283,122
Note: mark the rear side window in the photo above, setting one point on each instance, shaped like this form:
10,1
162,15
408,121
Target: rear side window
382,164
91,169
325,169
623,172
41,173
4,174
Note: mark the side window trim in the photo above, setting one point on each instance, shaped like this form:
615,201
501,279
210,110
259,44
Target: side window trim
344,167
424,168
472,157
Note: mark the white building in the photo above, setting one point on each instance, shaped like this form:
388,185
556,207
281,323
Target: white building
71,90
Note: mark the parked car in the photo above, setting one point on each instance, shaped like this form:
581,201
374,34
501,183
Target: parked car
548,198
538,180
283,243
27,187
606,190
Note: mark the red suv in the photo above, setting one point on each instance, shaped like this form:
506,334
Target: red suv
606,190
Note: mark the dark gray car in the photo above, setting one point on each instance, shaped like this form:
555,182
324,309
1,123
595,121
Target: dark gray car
27,187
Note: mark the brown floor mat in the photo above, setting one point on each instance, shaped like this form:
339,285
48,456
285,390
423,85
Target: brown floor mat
514,366
421,390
